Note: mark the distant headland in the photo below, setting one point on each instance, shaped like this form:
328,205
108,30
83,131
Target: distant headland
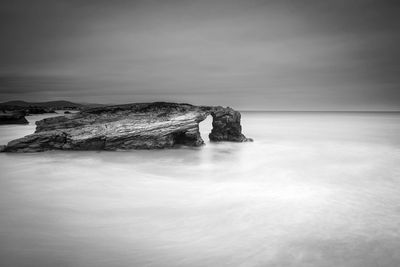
14,112
43,107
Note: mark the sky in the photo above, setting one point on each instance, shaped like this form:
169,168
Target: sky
253,54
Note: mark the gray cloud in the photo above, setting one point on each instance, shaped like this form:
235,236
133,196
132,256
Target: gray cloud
250,54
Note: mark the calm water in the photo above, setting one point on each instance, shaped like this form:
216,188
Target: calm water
314,189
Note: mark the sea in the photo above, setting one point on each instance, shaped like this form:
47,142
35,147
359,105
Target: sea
313,189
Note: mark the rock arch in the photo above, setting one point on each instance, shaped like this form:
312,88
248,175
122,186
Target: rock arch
132,126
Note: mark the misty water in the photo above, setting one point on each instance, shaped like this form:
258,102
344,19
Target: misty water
314,189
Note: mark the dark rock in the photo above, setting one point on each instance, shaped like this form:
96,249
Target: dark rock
132,126
13,118
38,110
226,126
51,106
26,108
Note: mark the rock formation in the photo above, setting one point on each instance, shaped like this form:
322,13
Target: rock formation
12,118
131,126
38,110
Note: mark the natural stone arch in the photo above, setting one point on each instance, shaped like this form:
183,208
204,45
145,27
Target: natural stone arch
226,126
132,126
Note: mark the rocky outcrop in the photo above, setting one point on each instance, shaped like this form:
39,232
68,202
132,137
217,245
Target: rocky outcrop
132,126
226,126
12,118
38,110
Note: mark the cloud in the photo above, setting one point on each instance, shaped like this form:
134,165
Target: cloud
272,54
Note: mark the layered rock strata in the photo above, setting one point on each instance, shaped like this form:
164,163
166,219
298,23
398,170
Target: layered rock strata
131,126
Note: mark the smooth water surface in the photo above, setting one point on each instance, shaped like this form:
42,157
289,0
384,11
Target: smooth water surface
314,189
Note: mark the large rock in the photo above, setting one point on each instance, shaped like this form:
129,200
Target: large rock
132,126
12,118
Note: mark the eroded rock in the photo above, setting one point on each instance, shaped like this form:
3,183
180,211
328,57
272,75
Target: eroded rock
132,126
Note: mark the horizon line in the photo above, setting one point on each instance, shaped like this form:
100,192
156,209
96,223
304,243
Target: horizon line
241,110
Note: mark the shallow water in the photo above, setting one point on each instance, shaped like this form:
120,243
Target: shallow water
314,189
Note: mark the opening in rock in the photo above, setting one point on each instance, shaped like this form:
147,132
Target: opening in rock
181,139
187,138
205,128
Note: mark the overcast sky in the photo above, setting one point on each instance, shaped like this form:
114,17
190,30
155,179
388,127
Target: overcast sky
249,54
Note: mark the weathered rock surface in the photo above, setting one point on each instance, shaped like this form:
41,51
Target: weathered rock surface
132,126
12,118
